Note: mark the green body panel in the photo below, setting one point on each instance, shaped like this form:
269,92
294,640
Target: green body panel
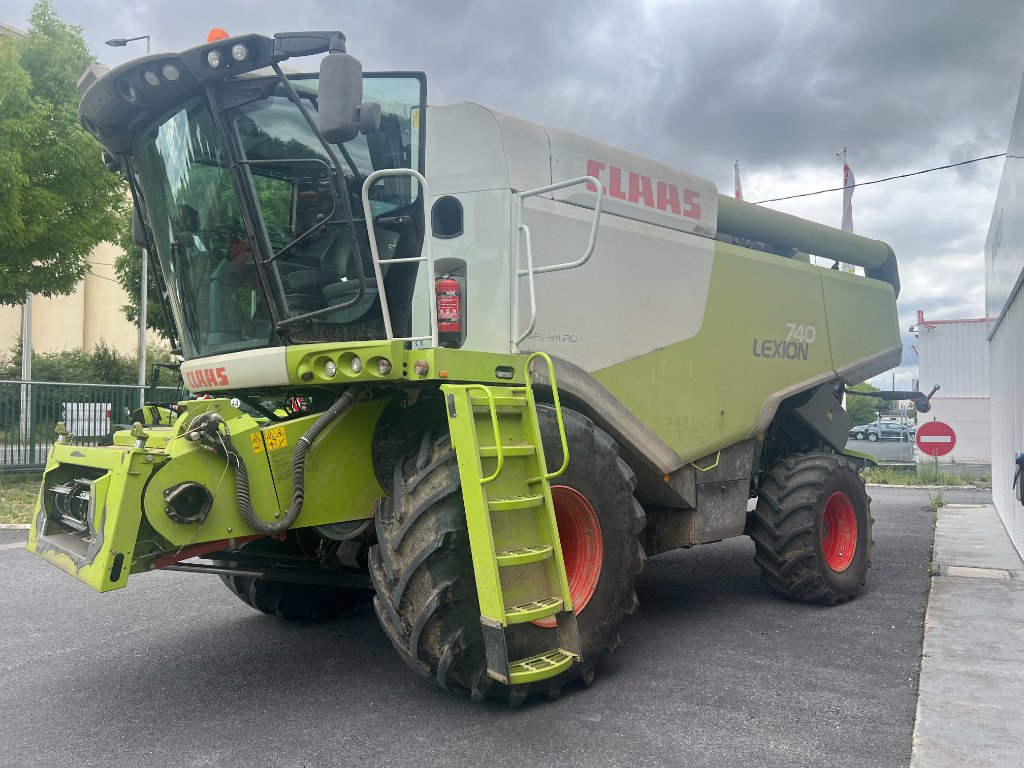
101,560
707,392
307,364
340,483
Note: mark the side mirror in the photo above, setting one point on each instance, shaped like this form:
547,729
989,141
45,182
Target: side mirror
369,117
341,94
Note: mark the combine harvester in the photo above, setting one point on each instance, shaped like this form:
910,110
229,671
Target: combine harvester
464,366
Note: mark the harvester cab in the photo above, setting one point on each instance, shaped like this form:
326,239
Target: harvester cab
478,402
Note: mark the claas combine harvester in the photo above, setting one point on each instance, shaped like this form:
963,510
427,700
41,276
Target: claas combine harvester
466,367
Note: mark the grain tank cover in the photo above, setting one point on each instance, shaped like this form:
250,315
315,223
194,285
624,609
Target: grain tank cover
635,187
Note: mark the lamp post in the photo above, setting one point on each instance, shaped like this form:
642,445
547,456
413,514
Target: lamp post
121,42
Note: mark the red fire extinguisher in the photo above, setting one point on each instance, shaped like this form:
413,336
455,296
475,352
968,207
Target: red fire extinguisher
449,311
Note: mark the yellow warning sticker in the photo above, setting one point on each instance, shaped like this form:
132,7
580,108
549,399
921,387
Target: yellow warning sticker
275,437
257,442
415,117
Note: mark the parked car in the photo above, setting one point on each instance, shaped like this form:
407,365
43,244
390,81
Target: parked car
884,430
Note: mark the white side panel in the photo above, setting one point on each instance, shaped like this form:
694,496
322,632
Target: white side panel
644,288
483,248
464,150
238,370
635,187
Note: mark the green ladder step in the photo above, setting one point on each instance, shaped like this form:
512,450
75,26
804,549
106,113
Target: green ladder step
540,667
500,401
537,609
513,449
525,555
507,503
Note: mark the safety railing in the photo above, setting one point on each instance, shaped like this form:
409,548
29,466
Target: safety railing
425,257
29,411
523,235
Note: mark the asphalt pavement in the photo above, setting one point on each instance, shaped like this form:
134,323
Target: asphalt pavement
715,671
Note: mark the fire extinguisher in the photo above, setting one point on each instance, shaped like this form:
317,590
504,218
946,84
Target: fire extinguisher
448,293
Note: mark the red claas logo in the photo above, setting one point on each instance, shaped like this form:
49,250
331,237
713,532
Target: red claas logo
203,378
641,190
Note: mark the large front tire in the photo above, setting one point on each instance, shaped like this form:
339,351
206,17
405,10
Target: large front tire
812,528
423,573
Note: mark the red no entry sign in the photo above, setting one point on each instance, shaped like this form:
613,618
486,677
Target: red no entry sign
935,438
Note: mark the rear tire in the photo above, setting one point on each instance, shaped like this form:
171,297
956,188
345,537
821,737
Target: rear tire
297,602
812,528
423,573
872,437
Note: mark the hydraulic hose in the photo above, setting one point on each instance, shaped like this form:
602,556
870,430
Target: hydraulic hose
242,495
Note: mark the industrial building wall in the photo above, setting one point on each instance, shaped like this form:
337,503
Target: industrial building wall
971,420
954,354
1004,302
1007,348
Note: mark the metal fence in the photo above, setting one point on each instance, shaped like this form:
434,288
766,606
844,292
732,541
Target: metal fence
30,410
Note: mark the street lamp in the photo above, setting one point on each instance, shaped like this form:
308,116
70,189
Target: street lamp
121,42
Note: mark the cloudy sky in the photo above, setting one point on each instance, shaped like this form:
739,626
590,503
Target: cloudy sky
780,85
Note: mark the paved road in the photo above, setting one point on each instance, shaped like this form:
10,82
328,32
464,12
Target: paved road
715,671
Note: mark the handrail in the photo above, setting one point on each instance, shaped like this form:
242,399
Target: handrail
500,451
530,270
593,227
558,410
375,255
533,293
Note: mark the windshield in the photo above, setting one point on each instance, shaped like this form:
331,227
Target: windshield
201,243
315,263
297,230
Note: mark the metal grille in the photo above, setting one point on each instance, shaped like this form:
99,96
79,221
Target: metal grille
29,411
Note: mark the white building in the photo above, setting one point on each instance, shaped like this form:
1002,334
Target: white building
955,355
1004,302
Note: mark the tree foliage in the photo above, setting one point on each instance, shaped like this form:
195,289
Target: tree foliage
128,270
862,409
57,200
101,365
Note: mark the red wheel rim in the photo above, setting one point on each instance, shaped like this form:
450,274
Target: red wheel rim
839,531
579,531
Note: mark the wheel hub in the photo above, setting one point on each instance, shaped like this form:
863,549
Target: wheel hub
579,532
839,531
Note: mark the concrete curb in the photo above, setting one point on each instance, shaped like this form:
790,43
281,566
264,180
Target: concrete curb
933,487
14,526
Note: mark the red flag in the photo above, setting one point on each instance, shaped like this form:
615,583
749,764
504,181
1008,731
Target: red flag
848,184
739,189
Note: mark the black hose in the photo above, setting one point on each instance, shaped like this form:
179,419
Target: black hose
242,497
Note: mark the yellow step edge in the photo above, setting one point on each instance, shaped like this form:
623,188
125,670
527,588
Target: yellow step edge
538,609
513,449
540,667
525,555
506,503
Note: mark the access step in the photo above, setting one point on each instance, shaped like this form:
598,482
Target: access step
513,449
540,667
524,555
507,503
536,609
500,401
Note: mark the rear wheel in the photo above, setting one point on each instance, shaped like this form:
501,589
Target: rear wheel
812,528
872,437
422,567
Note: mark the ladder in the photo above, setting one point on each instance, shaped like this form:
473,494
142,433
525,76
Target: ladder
513,534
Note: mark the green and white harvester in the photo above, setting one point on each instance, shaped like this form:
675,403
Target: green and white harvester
468,368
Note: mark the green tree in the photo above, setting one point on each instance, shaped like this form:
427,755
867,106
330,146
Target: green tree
128,270
862,409
57,200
